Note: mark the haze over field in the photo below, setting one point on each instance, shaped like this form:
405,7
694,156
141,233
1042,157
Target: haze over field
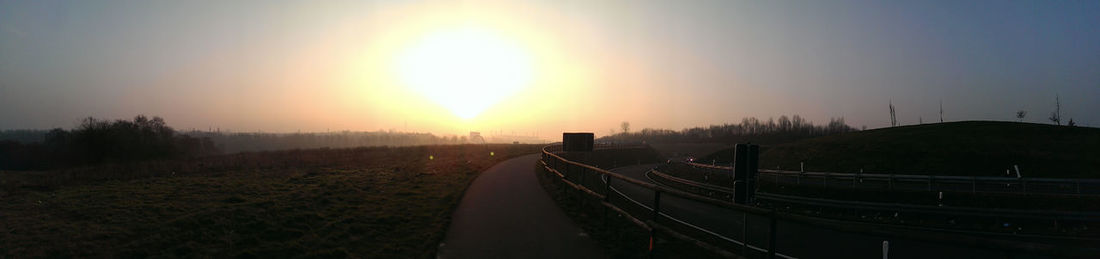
543,66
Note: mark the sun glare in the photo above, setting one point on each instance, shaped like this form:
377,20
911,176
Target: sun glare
466,70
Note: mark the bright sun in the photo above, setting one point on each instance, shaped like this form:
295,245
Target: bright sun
466,70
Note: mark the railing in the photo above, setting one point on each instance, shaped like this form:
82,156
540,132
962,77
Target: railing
985,216
727,234
609,188
931,183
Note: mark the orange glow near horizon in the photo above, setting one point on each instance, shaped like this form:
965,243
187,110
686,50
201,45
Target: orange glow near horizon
452,72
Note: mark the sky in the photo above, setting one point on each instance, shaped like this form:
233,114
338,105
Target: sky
543,67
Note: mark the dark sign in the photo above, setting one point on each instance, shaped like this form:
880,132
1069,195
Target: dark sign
577,141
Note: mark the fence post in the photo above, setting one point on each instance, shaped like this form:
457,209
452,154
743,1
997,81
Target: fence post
745,234
656,204
771,237
607,189
885,249
890,182
606,197
656,213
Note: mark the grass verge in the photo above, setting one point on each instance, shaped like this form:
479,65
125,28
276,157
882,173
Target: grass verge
365,202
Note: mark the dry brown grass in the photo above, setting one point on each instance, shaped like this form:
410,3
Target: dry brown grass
364,202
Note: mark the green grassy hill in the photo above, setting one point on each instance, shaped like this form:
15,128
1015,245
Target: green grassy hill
970,148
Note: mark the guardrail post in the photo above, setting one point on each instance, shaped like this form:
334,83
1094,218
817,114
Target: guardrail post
656,204
607,189
776,179
745,234
890,182
656,213
771,236
606,197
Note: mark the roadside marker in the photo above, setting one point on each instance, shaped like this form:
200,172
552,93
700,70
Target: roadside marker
885,249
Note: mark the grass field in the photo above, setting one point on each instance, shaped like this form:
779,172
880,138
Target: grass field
364,202
969,148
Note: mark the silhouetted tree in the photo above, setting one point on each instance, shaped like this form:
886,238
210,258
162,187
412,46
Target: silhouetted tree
1071,123
893,118
1021,114
750,129
625,126
1056,115
98,141
941,111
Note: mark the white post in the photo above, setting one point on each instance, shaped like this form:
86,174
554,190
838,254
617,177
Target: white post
801,167
941,199
1017,167
885,249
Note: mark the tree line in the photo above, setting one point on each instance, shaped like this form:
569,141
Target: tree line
97,141
773,131
244,142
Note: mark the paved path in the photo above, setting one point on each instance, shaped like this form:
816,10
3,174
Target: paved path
506,214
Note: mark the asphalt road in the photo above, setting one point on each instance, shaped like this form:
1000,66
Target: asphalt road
506,214
795,240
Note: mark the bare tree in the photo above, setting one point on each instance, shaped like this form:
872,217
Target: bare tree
625,126
941,111
1021,114
893,118
1071,123
1056,115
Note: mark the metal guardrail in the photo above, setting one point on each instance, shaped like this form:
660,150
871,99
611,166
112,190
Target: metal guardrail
598,183
931,183
880,207
954,211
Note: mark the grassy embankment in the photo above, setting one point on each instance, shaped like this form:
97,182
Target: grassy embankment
364,202
969,148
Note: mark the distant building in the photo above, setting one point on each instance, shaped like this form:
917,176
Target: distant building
475,137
